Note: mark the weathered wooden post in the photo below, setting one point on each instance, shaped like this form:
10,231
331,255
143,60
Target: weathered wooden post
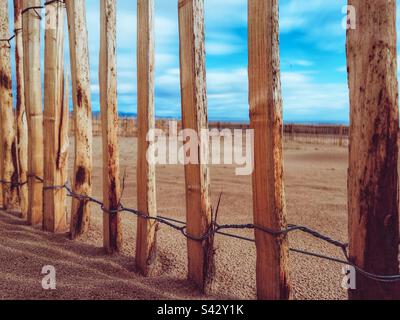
112,233
20,112
33,101
266,121
146,250
373,174
79,55
8,154
55,122
194,115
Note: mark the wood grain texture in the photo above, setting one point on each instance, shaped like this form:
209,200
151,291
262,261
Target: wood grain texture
266,121
146,249
112,233
20,112
33,99
373,173
55,122
83,164
8,150
194,116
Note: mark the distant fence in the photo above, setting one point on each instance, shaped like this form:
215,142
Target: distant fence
127,126
317,134
302,133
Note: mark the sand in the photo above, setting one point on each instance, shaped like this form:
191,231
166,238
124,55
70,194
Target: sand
315,179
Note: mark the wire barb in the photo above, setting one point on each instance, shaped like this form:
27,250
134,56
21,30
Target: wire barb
34,9
8,41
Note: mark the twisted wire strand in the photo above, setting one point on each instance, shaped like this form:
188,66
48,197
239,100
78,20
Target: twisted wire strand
223,229
38,14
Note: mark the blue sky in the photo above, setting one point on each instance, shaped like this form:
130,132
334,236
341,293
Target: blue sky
313,63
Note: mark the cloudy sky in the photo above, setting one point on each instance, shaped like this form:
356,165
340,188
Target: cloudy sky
313,61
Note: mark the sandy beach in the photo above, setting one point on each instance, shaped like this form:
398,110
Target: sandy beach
315,180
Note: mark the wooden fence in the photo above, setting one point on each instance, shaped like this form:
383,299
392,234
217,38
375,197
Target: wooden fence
33,173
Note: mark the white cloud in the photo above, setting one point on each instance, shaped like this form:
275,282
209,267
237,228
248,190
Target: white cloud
215,48
297,62
304,94
317,21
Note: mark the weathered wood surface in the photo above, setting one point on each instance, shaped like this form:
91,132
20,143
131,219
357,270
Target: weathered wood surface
55,122
146,250
20,112
33,100
112,232
373,173
79,56
266,121
8,150
194,116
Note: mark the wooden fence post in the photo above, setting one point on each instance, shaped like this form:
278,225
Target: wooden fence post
266,121
55,121
146,250
21,118
112,233
9,160
79,56
373,174
33,100
194,115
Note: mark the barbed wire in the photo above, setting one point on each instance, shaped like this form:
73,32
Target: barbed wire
36,8
27,9
221,229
